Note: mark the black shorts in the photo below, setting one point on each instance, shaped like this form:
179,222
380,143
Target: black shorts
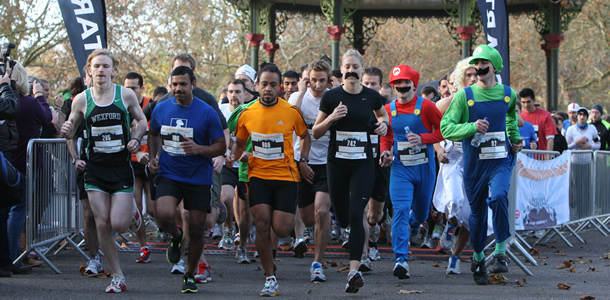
114,179
307,192
281,195
230,176
139,170
195,196
80,184
382,183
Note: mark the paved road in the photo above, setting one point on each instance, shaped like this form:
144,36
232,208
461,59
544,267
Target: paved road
230,280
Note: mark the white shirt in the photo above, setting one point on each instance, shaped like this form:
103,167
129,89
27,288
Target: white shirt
225,109
310,106
574,134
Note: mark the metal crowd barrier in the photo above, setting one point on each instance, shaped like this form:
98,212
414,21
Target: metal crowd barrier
515,240
50,195
602,188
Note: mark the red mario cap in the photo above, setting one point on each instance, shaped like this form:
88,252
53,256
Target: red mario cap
404,72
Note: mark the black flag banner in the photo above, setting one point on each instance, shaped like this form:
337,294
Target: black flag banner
495,21
86,25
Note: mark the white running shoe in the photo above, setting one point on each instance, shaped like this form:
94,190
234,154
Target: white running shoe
216,232
447,237
317,273
300,247
117,284
374,254
271,288
242,256
401,270
179,268
354,282
454,265
94,265
374,233
227,242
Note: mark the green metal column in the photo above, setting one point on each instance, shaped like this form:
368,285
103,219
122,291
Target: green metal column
336,42
271,46
254,30
554,96
466,43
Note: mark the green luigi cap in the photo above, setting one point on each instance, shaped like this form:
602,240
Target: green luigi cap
488,53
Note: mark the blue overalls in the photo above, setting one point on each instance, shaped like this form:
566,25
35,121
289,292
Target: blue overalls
487,179
415,181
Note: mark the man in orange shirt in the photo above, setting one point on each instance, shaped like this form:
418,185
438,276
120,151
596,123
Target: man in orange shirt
272,171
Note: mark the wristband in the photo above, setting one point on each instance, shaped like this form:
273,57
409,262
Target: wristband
139,143
387,124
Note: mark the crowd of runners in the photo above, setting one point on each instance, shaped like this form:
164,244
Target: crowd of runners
295,156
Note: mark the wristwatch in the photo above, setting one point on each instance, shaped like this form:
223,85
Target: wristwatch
74,160
304,159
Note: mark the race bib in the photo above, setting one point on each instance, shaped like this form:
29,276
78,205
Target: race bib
310,121
108,139
351,145
172,137
493,146
536,130
268,146
374,144
408,156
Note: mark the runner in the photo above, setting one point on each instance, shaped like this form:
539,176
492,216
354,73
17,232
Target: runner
106,109
273,173
135,82
488,167
312,198
236,93
190,134
348,112
414,124
449,194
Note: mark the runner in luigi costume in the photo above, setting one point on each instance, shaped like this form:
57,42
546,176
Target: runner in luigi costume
488,167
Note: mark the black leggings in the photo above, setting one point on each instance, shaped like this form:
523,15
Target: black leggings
350,188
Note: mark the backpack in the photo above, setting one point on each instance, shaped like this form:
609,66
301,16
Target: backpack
12,184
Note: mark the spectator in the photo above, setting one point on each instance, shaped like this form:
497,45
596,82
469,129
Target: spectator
560,143
603,127
33,114
526,130
581,136
572,110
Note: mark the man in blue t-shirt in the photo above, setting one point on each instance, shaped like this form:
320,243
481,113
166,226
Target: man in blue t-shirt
526,130
186,134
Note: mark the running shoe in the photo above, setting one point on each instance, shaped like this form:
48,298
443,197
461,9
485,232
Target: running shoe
354,282
479,272
447,237
374,233
227,241
500,264
237,239
401,270
300,247
365,265
252,237
174,248
374,254
179,268
271,288
94,265
436,233
216,232
136,218
335,232
117,284
188,284
144,256
317,273
204,273
454,265
242,256
222,214
427,244
309,233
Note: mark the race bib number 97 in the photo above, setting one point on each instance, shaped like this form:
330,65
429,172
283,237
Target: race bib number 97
268,146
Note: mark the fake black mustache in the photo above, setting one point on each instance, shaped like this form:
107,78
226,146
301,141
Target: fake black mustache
483,71
352,74
403,90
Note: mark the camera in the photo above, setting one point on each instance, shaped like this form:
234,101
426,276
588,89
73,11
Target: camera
6,52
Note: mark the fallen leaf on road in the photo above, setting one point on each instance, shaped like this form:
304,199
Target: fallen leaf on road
580,257
586,297
344,269
309,292
497,278
332,263
409,292
591,269
279,259
563,286
534,251
436,265
524,280
572,269
582,262
521,284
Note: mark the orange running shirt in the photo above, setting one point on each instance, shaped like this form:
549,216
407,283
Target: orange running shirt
271,131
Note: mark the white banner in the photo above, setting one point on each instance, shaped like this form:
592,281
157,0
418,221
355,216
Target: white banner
542,192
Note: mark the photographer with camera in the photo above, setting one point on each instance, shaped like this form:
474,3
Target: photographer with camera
34,113
9,108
